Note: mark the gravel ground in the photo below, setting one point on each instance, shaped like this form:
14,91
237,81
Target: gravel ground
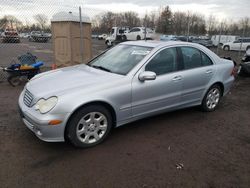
185,148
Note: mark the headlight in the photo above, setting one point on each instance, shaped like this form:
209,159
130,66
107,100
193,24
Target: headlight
45,105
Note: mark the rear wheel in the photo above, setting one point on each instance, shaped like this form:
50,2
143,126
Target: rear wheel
138,37
89,126
248,48
226,48
212,98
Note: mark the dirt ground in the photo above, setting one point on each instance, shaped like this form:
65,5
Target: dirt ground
185,148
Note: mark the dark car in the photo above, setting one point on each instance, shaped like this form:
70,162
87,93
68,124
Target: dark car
205,42
39,36
184,38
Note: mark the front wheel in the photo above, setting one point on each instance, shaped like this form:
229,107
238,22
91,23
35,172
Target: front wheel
89,126
211,99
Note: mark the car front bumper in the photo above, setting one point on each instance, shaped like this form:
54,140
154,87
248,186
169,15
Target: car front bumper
39,123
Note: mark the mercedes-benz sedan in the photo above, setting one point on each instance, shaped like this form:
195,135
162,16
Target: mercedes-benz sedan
131,81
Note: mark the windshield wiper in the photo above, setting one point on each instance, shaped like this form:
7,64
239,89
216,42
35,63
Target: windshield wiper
101,68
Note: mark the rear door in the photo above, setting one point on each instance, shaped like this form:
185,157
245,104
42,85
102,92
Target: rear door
198,70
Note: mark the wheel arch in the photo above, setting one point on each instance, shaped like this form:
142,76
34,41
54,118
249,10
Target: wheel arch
109,107
221,85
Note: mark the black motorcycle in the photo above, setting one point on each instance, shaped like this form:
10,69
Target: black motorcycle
244,68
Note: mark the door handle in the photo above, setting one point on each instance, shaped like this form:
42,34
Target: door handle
209,71
176,78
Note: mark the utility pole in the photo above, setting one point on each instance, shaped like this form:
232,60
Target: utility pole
243,35
219,38
188,28
81,34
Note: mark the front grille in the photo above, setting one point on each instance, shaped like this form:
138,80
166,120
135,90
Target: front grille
27,98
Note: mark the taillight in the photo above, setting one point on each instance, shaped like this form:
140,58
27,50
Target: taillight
234,71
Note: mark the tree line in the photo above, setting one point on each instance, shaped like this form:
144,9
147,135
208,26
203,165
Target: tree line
41,23
166,21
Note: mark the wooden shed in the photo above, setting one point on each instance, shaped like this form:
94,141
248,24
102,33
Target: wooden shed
66,39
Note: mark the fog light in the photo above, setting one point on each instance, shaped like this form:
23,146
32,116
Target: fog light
55,122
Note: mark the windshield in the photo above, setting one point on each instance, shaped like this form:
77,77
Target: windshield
120,59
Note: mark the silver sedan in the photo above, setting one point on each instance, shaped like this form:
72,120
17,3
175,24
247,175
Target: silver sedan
131,81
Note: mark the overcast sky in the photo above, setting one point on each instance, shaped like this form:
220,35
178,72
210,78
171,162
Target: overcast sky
223,9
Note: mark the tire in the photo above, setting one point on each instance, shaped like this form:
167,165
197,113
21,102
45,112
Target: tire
226,48
91,131
212,98
138,37
124,38
248,48
14,81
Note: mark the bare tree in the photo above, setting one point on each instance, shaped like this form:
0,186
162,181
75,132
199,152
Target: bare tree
211,24
42,20
10,21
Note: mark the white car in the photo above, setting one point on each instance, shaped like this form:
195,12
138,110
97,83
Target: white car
242,44
138,33
222,39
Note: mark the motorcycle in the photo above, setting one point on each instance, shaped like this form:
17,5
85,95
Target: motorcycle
244,68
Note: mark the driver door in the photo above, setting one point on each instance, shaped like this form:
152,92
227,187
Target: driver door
152,96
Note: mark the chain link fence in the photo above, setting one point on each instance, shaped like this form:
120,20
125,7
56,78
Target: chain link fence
31,20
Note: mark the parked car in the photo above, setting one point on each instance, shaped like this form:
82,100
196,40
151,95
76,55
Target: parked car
24,35
102,36
183,39
131,81
93,36
222,39
205,42
138,33
168,38
10,35
242,44
39,36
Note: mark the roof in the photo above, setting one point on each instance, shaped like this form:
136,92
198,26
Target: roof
154,43
69,17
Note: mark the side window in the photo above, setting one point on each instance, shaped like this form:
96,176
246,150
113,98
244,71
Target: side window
132,30
136,29
191,57
163,62
206,61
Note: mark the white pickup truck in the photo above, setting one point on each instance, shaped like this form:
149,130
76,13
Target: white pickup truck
117,35
120,34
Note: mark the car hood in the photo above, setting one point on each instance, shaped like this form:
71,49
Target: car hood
60,81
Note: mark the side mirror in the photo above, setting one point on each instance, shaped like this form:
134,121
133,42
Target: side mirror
147,75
